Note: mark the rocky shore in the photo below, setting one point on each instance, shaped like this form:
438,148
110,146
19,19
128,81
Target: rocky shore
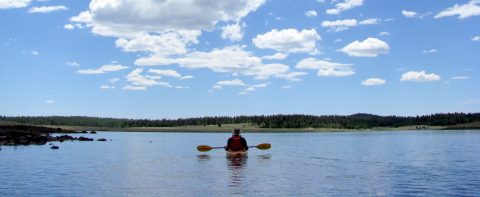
14,135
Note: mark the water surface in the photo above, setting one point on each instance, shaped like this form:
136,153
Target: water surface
419,163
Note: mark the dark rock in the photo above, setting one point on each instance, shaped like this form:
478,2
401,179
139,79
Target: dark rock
84,139
54,147
102,140
93,132
84,132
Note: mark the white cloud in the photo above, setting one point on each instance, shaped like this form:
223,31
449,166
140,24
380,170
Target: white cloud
289,40
476,39
276,56
47,9
286,87
370,21
232,59
234,82
340,25
166,43
326,68
36,53
68,26
233,32
168,72
106,87
311,13
373,82
103,69
72,64
419,76
49,101
9,4
429,51
409,14
130,87
123,17
460,77
187,77
370,47
137,79
470,9
384,33
292,76
346,5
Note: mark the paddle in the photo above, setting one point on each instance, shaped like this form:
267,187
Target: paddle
205,148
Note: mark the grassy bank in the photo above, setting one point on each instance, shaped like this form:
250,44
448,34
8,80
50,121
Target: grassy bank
225,128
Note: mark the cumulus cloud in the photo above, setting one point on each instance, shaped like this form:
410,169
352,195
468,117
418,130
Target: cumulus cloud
164,29
340,25
233,32
476,39
103,69
121,17
276,56
463,11
344,6
9,4
370,47
288,40
311,13
47,9
419,76
164,44
231,59
169,73
409,14
326,68
373,82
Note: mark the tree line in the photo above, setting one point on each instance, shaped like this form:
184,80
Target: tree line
355,121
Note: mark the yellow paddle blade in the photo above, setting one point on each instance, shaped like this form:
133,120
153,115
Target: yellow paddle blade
204,148
264,146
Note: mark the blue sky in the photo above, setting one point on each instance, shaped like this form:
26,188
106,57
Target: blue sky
185,58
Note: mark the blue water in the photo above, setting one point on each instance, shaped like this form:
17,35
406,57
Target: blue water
417,163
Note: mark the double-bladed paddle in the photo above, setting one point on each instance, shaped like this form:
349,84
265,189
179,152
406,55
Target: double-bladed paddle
205,148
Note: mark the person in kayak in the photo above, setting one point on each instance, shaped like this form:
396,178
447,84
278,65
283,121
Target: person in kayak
236,142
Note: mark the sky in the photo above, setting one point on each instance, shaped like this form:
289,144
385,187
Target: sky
190,58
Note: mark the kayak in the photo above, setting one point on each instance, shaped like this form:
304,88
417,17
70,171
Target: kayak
237,153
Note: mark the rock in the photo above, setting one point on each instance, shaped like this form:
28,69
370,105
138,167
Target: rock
84,139
93,132
102,140
84,132
54,147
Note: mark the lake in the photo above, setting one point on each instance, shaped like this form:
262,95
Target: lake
391,163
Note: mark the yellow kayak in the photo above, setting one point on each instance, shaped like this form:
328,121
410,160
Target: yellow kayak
237,153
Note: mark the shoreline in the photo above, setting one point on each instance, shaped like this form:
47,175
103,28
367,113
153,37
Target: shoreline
200,129
251,129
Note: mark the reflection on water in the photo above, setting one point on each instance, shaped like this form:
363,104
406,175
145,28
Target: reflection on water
236,166
203,157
